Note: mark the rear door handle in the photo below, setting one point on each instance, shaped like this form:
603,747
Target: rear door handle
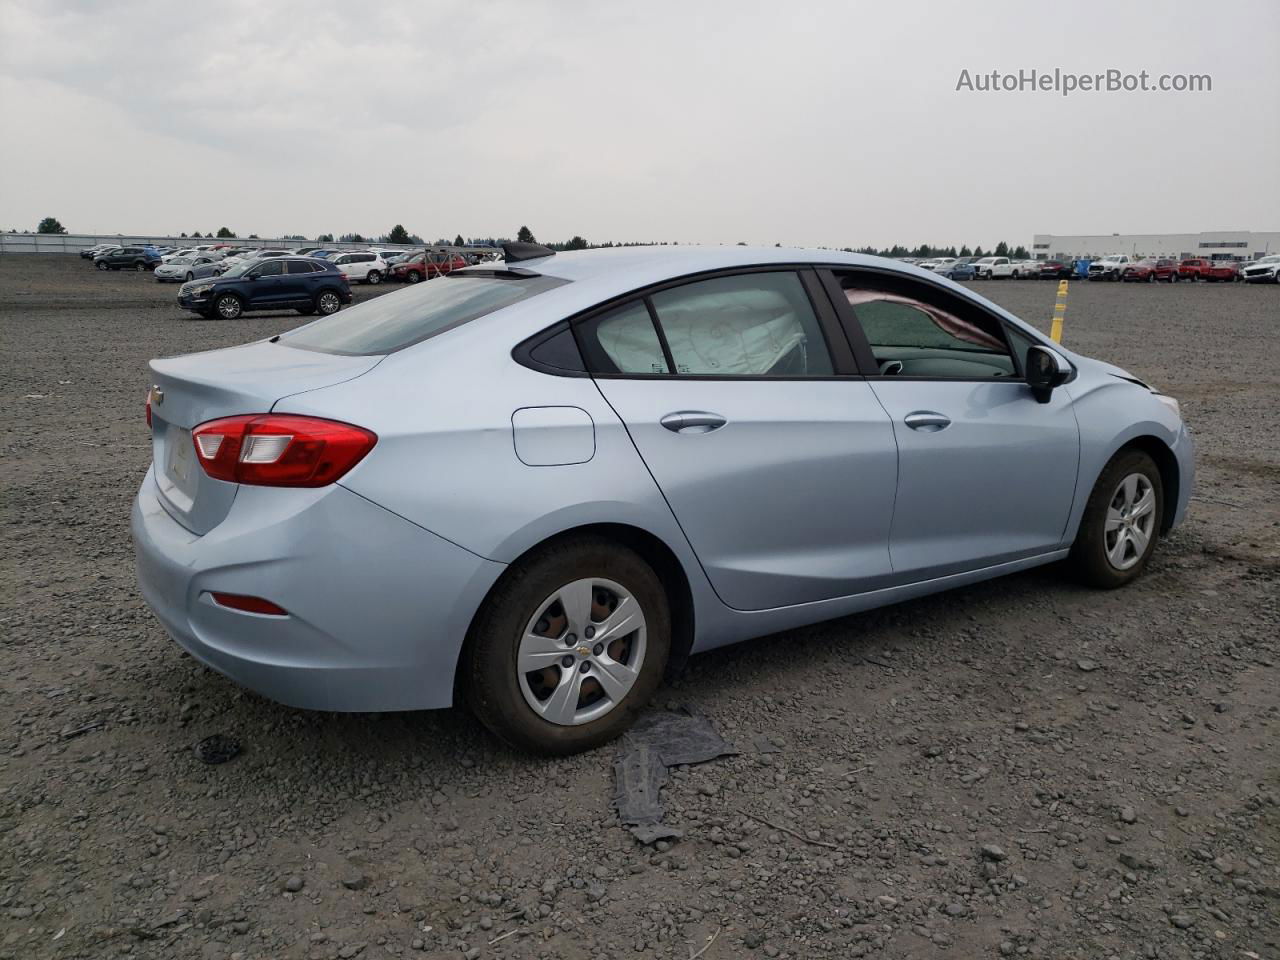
927,420
692,421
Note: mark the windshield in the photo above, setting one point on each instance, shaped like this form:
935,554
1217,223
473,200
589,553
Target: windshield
1274,258
180,260
238,268
398,320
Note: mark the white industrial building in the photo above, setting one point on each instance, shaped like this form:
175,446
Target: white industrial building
1215,244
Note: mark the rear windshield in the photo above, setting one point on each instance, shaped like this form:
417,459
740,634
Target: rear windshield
398,320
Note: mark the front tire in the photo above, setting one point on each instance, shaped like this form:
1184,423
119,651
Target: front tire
139,267
568,647
413,276
228,307
1121,522
102,265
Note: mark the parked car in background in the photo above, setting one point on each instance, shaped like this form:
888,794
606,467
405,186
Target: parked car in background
1192,268
1055,270
956,270
127,258
1265,270
185,268
361,267
933,263
184,252
322,253
1150,270
536,487
424,266
90,253
1220,271
276,283
1110,267
995,268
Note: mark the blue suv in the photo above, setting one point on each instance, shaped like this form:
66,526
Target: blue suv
279,283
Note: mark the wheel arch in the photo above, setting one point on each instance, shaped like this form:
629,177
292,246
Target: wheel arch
1170,472
652,549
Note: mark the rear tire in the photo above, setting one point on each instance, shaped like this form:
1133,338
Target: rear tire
328,302
522,607
1098,556
139,267
374,278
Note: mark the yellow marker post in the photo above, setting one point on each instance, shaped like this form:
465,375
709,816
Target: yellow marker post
1059,311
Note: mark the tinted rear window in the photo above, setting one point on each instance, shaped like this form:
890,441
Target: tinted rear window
398,320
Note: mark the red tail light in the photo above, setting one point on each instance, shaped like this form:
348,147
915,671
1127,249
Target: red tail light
236,601
148,408
280,450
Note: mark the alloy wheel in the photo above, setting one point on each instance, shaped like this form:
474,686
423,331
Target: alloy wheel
581,652
1130,523
329,303
228,308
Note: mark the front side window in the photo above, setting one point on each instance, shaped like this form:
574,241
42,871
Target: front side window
914,334
754,324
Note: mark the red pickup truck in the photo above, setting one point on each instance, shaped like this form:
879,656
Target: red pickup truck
1151,270
1202,268
424,266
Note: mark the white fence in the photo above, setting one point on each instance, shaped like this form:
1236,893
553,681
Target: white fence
75,242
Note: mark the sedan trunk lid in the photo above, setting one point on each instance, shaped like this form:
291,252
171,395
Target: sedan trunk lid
199,387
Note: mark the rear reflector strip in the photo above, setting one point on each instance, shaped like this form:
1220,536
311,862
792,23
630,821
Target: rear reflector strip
236,601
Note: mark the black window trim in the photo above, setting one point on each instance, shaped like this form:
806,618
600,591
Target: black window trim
862,347
842,359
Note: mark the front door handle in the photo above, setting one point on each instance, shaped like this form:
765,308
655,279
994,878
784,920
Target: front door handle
692,421
927,420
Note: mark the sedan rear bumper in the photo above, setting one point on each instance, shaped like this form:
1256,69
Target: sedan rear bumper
377,607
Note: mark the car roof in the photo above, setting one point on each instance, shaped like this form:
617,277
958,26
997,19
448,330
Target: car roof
601,275
640,266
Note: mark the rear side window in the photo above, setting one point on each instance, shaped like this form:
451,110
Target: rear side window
301,266
410,316
755,324
628,338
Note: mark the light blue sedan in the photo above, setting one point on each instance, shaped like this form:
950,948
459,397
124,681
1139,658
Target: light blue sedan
542,482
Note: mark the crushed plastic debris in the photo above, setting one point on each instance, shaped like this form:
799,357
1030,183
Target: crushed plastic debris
656,742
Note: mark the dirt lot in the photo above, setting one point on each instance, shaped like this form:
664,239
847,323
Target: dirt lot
1117,751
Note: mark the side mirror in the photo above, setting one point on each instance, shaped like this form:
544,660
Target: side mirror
251,276
1046,369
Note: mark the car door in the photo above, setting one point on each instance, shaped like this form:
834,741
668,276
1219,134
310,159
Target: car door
269,286
774,455
986,473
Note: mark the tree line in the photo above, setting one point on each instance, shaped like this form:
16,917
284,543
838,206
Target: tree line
399,235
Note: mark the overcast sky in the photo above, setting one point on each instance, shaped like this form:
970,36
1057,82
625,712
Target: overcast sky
805,123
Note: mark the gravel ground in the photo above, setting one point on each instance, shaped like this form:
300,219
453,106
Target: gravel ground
1018,768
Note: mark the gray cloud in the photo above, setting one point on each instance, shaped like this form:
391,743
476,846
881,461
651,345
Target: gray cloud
816,123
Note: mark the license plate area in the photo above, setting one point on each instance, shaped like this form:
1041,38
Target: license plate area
181,464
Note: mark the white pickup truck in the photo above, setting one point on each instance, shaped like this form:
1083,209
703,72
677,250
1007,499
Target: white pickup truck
995,268
1110,267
